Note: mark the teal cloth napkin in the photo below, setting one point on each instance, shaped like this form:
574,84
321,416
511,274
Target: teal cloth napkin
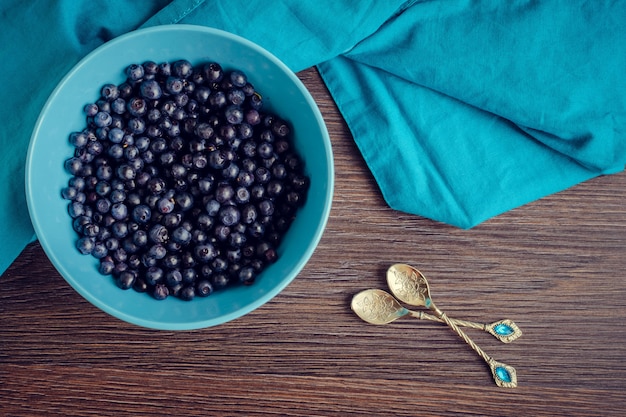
461,109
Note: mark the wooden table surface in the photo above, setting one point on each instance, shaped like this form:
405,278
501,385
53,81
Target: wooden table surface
557,267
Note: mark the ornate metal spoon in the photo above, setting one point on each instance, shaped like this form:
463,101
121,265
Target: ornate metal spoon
379,307
410,286
503,375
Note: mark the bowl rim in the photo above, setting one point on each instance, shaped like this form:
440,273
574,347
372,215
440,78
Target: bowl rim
222,318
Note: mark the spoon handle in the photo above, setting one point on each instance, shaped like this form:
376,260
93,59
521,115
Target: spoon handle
504,375
505,330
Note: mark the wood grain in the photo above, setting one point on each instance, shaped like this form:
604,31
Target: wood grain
556,267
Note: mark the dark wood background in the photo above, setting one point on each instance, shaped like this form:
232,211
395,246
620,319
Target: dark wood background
557,267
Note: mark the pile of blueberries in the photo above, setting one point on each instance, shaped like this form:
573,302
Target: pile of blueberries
181,184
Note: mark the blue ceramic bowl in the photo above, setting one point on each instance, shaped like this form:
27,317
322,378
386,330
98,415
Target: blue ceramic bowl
283,94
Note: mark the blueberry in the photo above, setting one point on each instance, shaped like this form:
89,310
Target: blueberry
181,235
205,253
103,205
116,135
262,175
187,293
237,239
231,171
221,232
224,192
249,148
103,105
116,151
265,150
109,92
157,251
217,99
238,78
137,106
249,214
119,229
134,72
199,161
79,139
141,214
212,207
125,279
160,292
129,246
136,126
172,220
234,114
300,182
294,198
140,284
126,90
245,130
102,119
220,280
213,72
257,192
266,252
118,106
178,171
181,100
204,288
255,101
85,245
218,159
154,131
150,89
204,131
150,67
126,172
203,94
106,266
99,250
69,193
189,274
153,275
90,109
275,188
158,234
182,68
174,85
256,229
246,275
242,195
156,186
229,215
235,96
140,238
142,143
184,201
119,211
74,166
112,243
77,182
165,205
158,145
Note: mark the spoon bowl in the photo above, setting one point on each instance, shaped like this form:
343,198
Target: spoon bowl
377,307
409,285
